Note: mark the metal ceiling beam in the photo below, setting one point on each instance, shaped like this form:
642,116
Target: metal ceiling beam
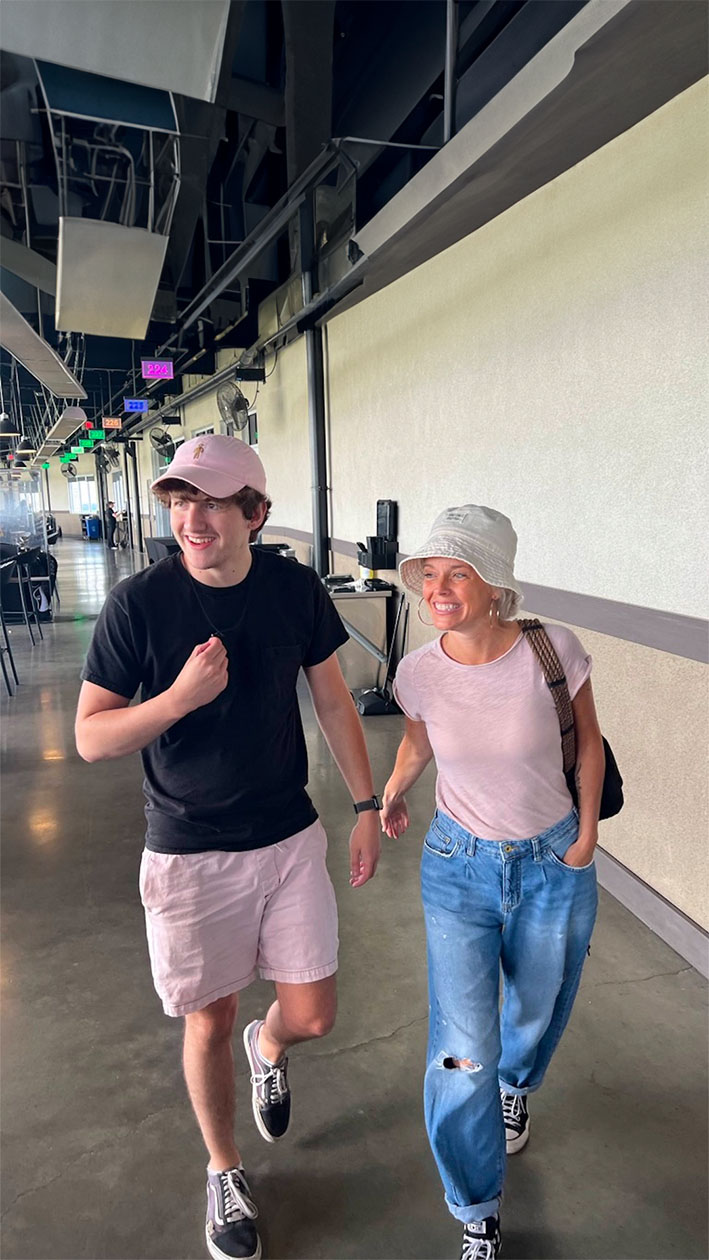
308,32
257,100
613,64
268,229
29,265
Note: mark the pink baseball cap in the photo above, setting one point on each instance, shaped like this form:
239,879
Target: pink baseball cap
217,465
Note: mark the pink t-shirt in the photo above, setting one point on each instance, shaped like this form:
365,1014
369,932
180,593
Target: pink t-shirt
494,733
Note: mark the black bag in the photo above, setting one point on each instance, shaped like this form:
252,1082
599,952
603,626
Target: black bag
543,648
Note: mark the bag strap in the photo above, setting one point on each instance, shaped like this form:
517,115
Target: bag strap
555,678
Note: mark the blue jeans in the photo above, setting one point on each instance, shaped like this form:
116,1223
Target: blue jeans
488,904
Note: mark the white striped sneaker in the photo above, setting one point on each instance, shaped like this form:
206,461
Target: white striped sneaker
515,1114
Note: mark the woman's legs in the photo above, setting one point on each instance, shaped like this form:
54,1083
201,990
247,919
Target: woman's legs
461,1096
544,947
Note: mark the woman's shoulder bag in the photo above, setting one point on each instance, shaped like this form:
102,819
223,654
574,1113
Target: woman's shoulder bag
543,648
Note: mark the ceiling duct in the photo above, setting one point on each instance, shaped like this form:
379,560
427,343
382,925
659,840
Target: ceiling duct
117,154
175,45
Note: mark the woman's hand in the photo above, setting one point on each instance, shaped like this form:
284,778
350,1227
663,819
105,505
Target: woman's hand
394,816
580,853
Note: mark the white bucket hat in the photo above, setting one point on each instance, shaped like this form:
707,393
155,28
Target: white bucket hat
480,536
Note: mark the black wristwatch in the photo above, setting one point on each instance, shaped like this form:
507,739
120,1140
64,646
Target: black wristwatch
374,802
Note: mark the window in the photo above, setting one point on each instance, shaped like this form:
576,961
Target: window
253,429
82,495
118,493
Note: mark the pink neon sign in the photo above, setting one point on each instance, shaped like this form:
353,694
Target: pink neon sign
156,369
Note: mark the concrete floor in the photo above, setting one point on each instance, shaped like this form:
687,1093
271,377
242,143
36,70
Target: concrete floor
101,1155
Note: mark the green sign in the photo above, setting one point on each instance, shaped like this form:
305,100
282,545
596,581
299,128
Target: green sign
76,450
98,434
86,443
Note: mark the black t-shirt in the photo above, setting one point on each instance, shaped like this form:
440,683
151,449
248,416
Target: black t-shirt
232,774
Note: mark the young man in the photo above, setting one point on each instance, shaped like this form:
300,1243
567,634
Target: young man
233,876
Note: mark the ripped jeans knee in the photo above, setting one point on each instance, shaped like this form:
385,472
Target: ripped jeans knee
451,1063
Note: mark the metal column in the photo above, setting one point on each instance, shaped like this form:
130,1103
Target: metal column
316,399
126,486
131,450
102,496
450,69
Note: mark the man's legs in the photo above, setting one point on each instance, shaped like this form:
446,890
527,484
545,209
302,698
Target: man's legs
300,1012
209,1073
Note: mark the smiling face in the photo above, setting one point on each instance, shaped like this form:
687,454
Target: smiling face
213,535
456,595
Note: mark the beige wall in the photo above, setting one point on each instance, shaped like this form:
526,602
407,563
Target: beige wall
553,364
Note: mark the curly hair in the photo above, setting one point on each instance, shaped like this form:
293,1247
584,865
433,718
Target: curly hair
248,499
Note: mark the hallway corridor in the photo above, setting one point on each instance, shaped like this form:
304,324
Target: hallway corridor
102,1158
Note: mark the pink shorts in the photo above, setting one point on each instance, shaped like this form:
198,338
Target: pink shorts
217,920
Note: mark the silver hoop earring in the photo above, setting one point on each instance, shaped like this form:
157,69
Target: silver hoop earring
418,614
494,603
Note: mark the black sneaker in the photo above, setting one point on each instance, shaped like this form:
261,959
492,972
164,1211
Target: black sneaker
481,1239
231,1233
270,1095
515,1113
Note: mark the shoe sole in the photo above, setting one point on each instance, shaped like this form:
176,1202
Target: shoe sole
256,1110
214,1251
515,1145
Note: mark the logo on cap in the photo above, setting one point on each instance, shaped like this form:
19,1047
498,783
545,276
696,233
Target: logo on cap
198,451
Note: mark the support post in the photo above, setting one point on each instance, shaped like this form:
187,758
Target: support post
126,484
449,82
316,397
132,451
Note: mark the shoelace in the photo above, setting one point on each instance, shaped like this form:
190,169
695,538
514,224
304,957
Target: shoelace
477,1248
271,1084
512,1108
237,1203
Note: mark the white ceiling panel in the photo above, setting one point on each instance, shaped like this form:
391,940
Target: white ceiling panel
171,44
107,277
20,339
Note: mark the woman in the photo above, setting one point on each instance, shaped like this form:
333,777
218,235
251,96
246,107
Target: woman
507,870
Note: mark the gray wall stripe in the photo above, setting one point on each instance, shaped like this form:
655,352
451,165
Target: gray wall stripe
665,920
665,631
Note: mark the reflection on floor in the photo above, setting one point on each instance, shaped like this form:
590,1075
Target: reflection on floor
101,1156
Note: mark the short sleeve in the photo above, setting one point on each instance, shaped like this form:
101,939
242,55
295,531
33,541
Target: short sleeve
405,691
112,660
575,661
328,632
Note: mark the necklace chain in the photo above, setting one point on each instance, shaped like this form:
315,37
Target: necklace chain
224,629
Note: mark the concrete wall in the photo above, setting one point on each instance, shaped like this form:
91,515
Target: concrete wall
553,365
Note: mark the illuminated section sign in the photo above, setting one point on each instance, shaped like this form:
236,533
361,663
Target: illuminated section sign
77,450
156,369
98,435
112,422
86,443
135,404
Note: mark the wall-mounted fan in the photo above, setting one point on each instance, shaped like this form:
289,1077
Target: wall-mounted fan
69,471
113,455
102,462
162,443
233,407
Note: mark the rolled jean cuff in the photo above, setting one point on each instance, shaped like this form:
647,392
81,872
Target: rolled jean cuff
520,1091
475,1212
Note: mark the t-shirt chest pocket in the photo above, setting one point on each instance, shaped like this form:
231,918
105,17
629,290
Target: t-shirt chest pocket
281,666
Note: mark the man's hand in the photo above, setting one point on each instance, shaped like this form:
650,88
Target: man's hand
202,678
365,847
394,816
